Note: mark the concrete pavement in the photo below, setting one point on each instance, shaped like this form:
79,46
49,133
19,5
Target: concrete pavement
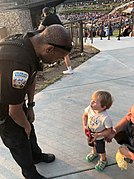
60,106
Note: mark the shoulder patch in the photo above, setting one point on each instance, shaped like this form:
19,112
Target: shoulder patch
19,79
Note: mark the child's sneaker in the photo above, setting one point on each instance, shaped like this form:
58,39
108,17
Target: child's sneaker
101,165
90,157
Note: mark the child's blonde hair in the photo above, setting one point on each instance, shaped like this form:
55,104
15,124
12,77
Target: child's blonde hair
105,98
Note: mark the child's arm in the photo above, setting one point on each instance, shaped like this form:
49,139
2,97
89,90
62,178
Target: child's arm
104,133
84,122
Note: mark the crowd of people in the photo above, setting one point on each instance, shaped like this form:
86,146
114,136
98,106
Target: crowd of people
94,4
97,19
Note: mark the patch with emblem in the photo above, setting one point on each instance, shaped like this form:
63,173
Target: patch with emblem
19,79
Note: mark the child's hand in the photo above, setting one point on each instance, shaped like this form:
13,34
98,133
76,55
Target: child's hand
88,134
94,135
85,130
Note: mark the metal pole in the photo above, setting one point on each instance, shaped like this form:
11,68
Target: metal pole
81,36
109,29
133,20
120,25
101,31
91,33
71,29
132,23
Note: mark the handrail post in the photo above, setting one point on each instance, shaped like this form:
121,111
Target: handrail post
81,36
120,25
109,30
101,31
91,33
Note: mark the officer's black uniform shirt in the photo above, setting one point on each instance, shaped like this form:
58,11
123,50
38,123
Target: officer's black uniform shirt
18,67
51,19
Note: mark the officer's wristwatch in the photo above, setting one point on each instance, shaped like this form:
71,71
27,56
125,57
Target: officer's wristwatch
31,104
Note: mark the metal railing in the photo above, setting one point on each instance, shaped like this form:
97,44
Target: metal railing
77,28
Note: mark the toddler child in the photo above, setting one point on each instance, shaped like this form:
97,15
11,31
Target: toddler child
97,125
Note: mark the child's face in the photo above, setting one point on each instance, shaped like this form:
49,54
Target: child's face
96,104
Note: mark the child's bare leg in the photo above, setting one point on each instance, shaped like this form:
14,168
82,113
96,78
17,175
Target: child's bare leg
103,157
94,150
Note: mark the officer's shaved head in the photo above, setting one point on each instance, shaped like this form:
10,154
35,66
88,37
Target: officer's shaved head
56,34
53,43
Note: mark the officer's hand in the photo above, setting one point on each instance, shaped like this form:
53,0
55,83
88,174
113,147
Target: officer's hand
28,129
110,137
30,115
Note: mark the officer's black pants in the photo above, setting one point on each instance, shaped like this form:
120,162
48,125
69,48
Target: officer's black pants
24,151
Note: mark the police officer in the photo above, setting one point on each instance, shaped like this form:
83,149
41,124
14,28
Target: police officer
20,57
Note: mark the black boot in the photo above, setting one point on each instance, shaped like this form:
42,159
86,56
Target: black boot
47,158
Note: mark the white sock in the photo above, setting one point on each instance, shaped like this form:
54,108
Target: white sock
69,68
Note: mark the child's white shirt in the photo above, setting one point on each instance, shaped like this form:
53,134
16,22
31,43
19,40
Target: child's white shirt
97,122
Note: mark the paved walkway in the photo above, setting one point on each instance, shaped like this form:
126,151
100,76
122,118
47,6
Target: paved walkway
60,106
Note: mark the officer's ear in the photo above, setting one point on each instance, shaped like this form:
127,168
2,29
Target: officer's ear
49,48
